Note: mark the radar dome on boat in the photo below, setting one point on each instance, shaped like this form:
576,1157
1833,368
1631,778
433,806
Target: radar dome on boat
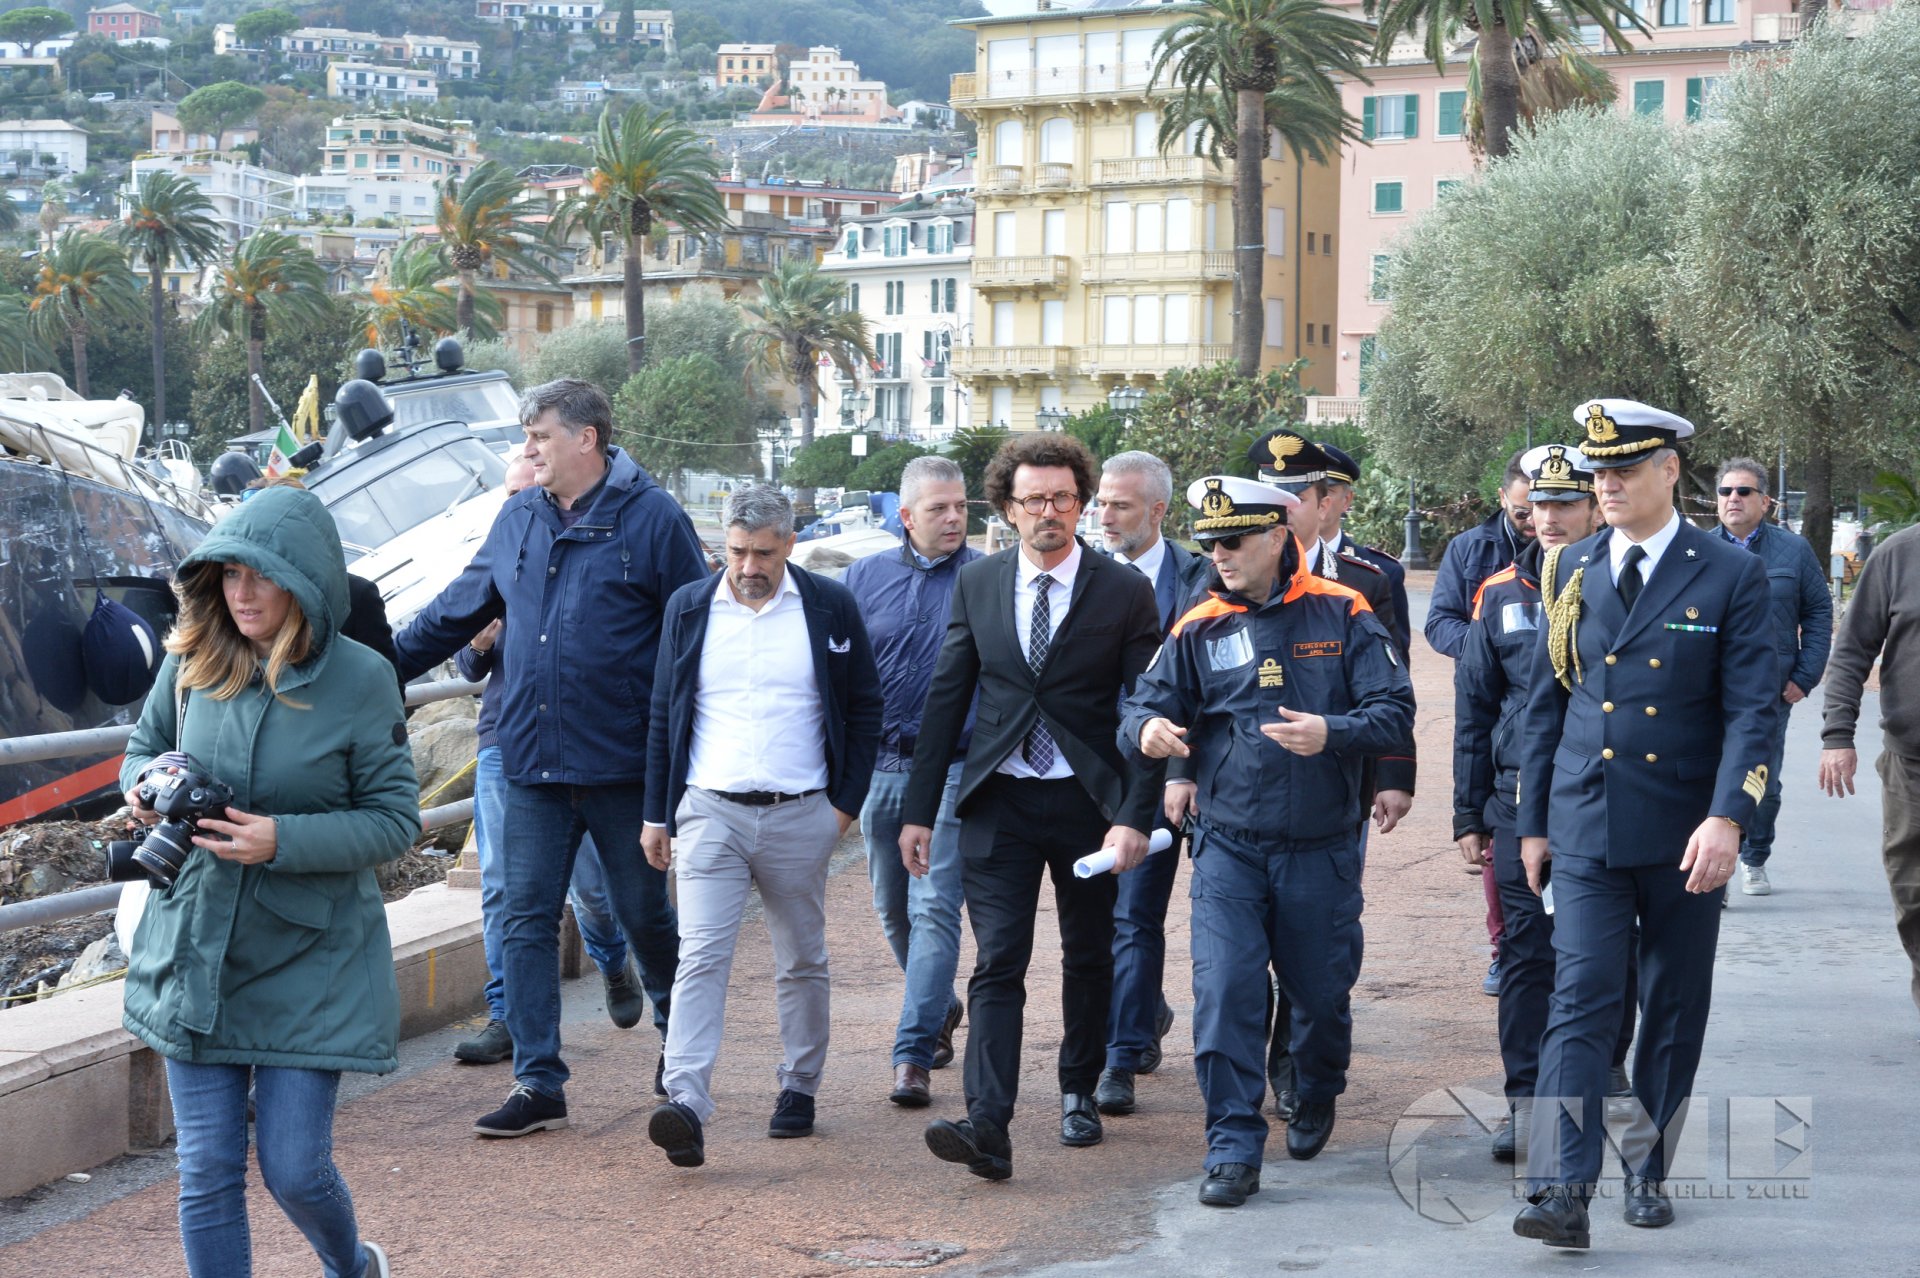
362,409
231,473
370,365
448,356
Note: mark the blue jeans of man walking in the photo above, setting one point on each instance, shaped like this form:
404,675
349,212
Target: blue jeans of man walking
544,827
920,917
1139,958
294,1126
599,930
1757,844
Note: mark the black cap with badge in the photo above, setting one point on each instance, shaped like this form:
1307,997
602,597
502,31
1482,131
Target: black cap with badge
1290,461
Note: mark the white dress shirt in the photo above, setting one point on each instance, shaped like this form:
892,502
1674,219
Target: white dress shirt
1059,596
758,722
1655,546
1149,562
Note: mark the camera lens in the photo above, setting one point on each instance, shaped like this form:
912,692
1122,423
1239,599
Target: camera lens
165,850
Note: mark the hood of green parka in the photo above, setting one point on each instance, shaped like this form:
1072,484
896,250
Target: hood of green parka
286,536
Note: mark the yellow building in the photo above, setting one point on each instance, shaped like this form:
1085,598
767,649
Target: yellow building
1101,263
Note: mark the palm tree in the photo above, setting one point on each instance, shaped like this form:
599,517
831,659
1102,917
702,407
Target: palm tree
269,282
170,221
646,168
1552,78
482,220
1550,23
801,315
1308,122
1249,49
412,292
83,276
21,350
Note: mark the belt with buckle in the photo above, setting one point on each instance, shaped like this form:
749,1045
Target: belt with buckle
763,798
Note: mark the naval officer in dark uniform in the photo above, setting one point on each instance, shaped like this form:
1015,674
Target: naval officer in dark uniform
1647,734
1271,690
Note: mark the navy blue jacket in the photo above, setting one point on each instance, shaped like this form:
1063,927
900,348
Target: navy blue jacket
1314,647
1471,558
1402,627
583,606
1672,716
904,607
842,667
1802,606
1490,685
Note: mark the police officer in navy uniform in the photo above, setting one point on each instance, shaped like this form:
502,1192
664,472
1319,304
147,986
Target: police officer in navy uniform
1271,690
1342,474
1490,683
1647,734
1305,469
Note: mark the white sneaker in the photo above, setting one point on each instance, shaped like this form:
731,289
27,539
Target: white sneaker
1753,880
376,1260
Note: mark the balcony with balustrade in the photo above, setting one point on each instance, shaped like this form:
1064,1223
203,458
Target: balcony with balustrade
1123,79
1048,272
1139,170
1012,361
1126,268
1097,361
1002,178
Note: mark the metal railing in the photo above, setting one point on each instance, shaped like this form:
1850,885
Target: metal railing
91,900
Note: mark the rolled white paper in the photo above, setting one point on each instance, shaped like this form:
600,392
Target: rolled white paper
1102,862
1546,898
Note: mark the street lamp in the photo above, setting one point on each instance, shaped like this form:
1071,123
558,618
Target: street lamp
1051,418
1126,400
853,408
1412,555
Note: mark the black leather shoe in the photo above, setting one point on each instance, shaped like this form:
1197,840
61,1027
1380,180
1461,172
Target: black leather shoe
1308,1130
1114,1095
674,1128
1503,1141
1079,1121
943,1043
1618,1084
792,1115
1285,1102
625,1002
1557,1217
1229,1185
1150,1059
1647,1204
985,1152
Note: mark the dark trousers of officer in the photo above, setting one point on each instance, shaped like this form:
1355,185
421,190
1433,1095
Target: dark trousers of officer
1140,957
1260,900
1527,967
1013,831
1594,912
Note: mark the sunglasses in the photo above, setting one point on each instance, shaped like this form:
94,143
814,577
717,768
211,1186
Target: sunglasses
1742,489
1227,543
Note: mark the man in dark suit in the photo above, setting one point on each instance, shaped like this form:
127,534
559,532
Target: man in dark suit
1135,490
765,722
1051,636
1647,732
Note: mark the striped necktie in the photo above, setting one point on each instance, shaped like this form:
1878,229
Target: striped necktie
1037,750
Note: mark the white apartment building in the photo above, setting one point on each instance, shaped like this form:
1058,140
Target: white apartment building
909,272
580,95
650,26
575,17
367,195
394,147
373,82
43,148
450,59
244,196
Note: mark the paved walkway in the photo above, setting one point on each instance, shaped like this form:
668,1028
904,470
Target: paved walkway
1811,1003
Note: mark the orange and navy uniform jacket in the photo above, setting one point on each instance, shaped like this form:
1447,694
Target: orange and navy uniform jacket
1490,683
1314,647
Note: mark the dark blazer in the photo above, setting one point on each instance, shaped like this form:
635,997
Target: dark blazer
1183,575
842,665
1672,718
1401,627
367,622
1111,631
1397,769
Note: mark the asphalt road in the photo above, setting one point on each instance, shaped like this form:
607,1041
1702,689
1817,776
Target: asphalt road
1812,1034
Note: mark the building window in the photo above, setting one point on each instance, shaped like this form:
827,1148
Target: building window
1311,238
1390,117
1276,323
1388,197
1276,232
1309,335
1649,97
1717,12
1699,90
853,297
1369,356
1453,109
1442,185
937,407
1673,13
1377,278
1056,141
1053,323
543,317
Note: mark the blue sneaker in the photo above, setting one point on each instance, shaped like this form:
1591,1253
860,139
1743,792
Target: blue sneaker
1491,985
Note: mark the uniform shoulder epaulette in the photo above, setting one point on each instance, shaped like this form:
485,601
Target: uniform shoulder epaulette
1347,556
1561,605
1384,554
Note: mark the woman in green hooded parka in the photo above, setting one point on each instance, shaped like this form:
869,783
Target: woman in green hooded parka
268,960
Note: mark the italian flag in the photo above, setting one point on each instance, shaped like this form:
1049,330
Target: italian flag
279,462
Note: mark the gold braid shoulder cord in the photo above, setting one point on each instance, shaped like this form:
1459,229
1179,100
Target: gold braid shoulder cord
1563,620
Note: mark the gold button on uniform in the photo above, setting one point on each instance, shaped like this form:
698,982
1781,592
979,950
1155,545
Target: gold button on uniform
1607,706
1611,659
1652,710
1606,754
1654,662
1653,758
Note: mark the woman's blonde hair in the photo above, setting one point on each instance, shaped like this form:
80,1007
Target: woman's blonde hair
213,653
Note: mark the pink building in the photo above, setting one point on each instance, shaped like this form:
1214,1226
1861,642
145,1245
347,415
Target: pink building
123,22
1413,117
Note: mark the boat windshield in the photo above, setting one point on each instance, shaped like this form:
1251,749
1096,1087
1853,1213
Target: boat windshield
372,513
475,403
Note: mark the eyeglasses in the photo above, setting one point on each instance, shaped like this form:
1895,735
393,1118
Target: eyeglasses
1229,542
1037,505
1742,489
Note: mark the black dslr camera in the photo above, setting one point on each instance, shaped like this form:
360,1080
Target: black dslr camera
181,792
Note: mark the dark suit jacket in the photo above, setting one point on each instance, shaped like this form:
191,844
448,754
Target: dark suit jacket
1672,718
367,622
842,665
1111,631
1398,770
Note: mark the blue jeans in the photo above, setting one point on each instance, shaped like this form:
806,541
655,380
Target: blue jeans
544,826
295,1130
1139,957
1757,844
920,917
591,909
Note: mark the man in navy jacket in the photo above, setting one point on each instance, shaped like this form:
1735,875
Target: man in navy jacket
766,715
580,565
1474,556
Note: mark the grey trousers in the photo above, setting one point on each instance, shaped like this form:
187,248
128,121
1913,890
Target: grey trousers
722,850
1900,847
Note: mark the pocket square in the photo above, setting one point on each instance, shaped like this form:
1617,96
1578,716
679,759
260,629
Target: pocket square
839,645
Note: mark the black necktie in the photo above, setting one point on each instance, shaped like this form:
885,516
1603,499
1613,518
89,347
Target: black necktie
1038,747
1630,576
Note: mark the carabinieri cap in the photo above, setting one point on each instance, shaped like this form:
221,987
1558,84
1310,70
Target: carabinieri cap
1557,472
1230,506
1290,461
1622,432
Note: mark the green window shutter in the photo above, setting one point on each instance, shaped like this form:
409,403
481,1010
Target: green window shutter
1649,97
1453,103
933,303
926,343
1413,115
1695,95
853,297
1367,118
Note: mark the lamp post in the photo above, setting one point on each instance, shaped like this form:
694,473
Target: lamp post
1126,400
853,408
1411,554
1051,418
